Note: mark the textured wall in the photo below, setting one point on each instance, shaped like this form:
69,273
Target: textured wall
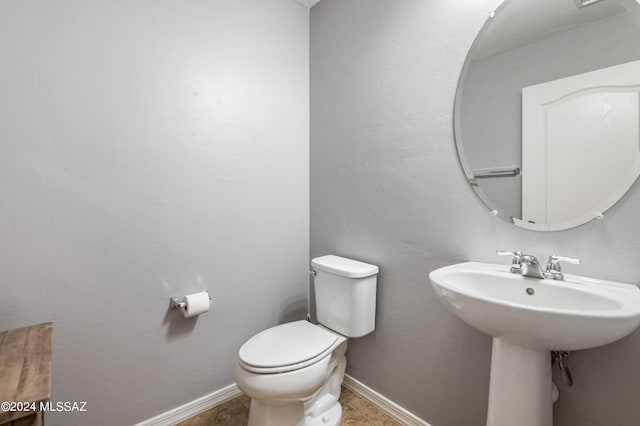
150,149
386,188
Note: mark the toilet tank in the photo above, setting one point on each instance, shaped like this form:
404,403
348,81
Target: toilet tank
345,292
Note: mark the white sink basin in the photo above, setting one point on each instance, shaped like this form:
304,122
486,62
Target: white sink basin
576,313
527,317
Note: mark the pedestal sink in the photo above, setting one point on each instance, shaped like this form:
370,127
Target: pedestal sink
528,318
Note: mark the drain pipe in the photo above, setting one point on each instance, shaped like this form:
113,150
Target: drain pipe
560,358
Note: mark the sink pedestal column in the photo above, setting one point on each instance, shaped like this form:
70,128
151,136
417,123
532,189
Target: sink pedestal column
520,386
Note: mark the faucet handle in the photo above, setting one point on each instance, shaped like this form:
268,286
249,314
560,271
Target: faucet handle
554,270
554,261
517,255
516,262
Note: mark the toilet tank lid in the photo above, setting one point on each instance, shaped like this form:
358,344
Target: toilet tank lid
344,267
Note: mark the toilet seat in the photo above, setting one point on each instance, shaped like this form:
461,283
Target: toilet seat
288,347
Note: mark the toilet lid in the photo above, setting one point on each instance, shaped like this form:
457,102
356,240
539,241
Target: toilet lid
286,344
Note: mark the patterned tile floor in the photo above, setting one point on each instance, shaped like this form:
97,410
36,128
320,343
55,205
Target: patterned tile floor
355,411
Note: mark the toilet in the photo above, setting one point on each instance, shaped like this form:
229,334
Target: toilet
293,372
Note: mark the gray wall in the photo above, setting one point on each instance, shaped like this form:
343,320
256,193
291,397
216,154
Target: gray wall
491,101
387,188
151,149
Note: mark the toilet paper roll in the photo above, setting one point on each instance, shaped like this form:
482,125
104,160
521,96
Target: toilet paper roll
195,304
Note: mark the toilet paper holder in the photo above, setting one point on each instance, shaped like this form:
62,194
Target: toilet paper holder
177,302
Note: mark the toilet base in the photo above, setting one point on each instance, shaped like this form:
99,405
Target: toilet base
269,414
291,414
331,417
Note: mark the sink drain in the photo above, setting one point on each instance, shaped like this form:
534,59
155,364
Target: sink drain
530,291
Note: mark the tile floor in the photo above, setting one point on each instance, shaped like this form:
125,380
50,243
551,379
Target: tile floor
355,411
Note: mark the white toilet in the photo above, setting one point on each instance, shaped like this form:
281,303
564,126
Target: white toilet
293,371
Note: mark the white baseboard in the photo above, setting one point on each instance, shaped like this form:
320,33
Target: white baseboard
194,407
223,395
382,403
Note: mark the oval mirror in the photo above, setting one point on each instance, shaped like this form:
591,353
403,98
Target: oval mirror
547,110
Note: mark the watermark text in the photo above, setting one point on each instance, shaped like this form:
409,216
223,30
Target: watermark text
46,406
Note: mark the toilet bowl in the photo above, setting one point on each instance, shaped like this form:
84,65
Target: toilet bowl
293,372
287,367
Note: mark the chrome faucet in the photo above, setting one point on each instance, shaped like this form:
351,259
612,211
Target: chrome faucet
527,265
531,267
